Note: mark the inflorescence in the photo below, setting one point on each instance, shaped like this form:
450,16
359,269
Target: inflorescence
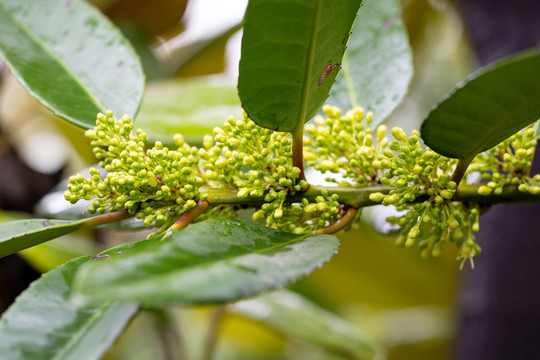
344,145
156,185
508,163
159,184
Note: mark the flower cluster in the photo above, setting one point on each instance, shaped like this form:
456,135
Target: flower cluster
508,163
411,170
258,163
301,217
414,172
157,184
249,158
344,145
160,184
430,225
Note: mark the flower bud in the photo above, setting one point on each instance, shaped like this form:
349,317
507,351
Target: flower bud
398,134
484,190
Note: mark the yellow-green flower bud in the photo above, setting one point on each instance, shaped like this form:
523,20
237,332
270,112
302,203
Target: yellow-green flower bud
484,190
381,131
523,188
410,242
376,197
446,194
398,133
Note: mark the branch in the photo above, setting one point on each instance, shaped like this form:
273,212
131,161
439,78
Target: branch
190,215
359,196
341,223
355,197
107,218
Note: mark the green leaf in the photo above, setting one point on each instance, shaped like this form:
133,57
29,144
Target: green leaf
491,105
377,66
291,52
21,234
295,316
70,58
209,262
44,324
191,107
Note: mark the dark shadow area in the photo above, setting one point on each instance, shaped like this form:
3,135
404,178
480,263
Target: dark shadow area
499,300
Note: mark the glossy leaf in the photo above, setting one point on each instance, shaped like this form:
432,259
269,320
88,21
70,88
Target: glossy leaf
75,74
291,53
491,105
210,262
377,66
295,316
44,324
21,234
191,107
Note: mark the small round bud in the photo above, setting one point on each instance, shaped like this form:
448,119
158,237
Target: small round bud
446,194
484,190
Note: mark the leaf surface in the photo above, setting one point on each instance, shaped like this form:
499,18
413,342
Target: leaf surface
491,105
295,316
44,324
71,58
377,66
291,53
214,261
22,234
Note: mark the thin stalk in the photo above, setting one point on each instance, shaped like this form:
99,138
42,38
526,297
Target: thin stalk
210,340
106,218
298,150
190,215
341,223
460,170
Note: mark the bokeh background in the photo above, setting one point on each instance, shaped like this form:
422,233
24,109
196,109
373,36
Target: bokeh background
416,308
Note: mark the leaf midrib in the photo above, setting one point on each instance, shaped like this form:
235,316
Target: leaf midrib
302,111
82,330
210,261
42,46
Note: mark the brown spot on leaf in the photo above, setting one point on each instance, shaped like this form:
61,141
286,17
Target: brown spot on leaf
326,71
99,257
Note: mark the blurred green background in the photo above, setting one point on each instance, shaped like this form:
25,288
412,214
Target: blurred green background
190,50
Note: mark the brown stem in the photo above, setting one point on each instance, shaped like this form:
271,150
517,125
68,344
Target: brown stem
107,218
298,151
190,215
341,223
460,170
